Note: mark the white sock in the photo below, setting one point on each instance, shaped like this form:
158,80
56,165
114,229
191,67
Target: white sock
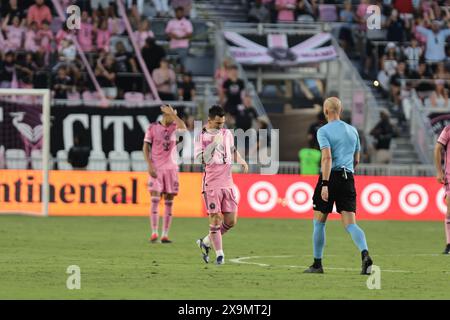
207,241
164,234
219,253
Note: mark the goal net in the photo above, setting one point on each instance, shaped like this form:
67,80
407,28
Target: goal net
24,151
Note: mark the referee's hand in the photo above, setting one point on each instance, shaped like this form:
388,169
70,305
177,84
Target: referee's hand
324,193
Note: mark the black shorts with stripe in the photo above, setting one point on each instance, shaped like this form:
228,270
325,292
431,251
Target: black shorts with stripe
341,190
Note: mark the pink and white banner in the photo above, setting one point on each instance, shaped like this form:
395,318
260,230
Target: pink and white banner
278,52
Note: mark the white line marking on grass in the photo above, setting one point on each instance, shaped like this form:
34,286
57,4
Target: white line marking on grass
243,260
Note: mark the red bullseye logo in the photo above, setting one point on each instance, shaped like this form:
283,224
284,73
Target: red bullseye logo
262,196
299,197
440,201
376,198
413,199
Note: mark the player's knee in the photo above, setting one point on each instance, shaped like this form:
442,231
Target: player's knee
215,218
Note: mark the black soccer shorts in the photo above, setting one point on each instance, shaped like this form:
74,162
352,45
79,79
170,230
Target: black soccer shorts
341,190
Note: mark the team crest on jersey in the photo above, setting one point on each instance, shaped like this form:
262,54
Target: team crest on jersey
212,206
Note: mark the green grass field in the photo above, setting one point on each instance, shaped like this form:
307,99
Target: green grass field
117,262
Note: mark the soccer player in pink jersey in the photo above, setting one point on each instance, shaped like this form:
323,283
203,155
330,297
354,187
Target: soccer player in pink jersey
214,147
160,153
443,176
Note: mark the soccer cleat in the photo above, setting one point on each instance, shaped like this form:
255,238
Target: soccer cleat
204,249
367,265
154,238
313,269
165,240
447,249
220,260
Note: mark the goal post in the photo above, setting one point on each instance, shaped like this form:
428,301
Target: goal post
16,96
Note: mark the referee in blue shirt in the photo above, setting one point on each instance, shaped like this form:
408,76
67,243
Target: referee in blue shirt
339,144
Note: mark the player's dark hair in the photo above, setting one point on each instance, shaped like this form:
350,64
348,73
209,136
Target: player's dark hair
216,111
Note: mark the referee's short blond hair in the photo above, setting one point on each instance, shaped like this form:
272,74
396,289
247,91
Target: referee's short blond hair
333,105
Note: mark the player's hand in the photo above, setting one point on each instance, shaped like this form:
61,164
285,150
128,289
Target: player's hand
324,193
167,109
218,139
440,177
152,173
245,167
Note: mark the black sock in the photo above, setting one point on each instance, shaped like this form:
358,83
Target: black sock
364,253
317,263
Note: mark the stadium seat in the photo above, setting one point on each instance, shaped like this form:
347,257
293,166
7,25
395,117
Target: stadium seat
119,161
97,161
16,159
327,12
36,159
138,161
61,158
200,66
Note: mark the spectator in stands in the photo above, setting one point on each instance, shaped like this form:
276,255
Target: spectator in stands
396,27
186,88
233,87
8,72
439,97
143,33
125,63
11,8
259,13
31,38
26,68
45,36
102,35
221,75
246,114
96,4
116,25
185,4
286,9
78,155
346,16
436,40
62,84
306,11
423,73
312,131
14,33
63,33
441,72
86,33
388,65
165,80
179,31
383,132
106,76
398,83
413,53
162,8
38,13
152,54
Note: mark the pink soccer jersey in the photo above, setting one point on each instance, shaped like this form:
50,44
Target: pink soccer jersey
85,36
14,35
163,141
180,28
218,170
444,139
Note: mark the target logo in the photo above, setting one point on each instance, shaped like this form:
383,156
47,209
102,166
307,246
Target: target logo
440,201
299,196
413,199
376,198
262,196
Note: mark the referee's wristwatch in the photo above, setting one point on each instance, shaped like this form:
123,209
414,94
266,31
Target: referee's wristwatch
325,183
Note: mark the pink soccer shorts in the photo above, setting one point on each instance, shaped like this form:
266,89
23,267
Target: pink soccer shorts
165,182
220,200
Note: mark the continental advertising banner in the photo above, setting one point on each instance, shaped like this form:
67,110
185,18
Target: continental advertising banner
97,193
